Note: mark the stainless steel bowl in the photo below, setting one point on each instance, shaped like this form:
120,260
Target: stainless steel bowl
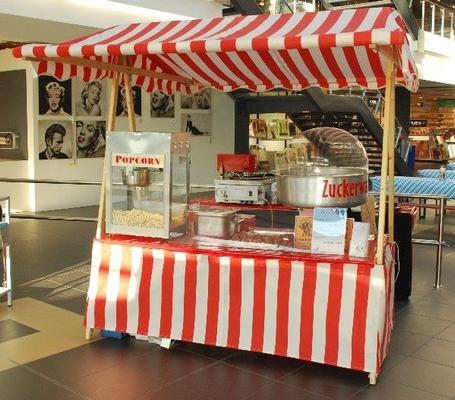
321,186
136,177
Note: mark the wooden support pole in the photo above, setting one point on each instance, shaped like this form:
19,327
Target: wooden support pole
384,164
101,227
391,181
129,101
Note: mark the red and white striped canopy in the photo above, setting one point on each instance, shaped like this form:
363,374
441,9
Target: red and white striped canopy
330,49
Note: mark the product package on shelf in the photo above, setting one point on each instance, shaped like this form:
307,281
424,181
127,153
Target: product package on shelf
303,231
258,128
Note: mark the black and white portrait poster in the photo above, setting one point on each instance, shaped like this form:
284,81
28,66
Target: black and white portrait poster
198,101
122,110
55,140
161,105
54,97
90,138
197,124
89,99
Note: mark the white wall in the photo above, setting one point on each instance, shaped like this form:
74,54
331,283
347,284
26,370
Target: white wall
18,21
436,58
20,193
41,197
203,148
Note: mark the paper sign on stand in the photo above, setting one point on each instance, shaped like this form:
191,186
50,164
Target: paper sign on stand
329,230
359,241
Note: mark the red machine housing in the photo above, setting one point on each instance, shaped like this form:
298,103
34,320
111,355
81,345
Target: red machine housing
236,163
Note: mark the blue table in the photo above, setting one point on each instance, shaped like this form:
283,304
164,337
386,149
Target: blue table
435,173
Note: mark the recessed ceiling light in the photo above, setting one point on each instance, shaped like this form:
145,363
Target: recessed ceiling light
420,97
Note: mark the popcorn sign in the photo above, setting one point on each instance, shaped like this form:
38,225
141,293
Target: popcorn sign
138,160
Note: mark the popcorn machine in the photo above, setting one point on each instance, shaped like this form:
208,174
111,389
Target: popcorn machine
147,183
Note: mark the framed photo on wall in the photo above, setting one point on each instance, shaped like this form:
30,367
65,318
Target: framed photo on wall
55,140
198,101
197,124
122,110
54,97
90,99
90,138
161,105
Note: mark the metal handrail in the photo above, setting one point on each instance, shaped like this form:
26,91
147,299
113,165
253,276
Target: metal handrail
440,243
48,181
25,215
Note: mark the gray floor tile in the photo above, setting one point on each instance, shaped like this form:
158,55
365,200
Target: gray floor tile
438,351
406,343
71,365
444,295
10,330
332,382
385,390
174,391
264,364
433,310
281,391
420,324
392,360
22,384
225,382
425,375
448,334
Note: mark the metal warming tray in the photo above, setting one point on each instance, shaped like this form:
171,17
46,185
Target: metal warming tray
214,222
323,187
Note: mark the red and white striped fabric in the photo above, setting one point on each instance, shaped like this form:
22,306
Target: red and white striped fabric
330,49
329,312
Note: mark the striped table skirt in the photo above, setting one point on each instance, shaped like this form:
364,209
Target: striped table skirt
334,312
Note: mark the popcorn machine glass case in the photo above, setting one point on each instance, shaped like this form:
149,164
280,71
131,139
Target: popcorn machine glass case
147,183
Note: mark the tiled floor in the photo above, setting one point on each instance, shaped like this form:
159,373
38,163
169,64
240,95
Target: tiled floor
43,354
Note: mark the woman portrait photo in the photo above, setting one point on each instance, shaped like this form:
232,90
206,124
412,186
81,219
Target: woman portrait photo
54,96
89,99
90,138
197,124
55,140
122,109
198,101
161,105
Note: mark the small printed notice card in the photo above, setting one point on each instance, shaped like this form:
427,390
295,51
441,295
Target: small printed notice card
329,230
359,241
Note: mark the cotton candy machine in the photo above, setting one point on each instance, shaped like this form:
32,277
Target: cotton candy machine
334,173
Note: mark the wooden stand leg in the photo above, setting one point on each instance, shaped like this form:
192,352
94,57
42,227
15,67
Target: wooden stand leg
88,333
373,378
391,151
166,343
387,136
101,228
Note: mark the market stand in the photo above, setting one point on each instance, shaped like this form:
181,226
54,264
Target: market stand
331,310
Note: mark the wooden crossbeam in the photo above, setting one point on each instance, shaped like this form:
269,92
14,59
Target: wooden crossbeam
123,69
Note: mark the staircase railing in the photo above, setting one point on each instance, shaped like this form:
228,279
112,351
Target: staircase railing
437,19
402,143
